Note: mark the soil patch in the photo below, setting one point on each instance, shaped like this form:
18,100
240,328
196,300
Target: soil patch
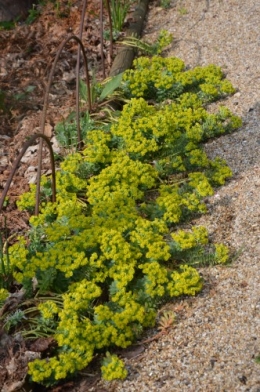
26,57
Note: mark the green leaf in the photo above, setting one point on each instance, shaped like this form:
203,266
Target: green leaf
111,85
30,89
257,359
5,25
83,90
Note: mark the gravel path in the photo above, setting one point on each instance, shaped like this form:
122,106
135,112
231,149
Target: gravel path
213,345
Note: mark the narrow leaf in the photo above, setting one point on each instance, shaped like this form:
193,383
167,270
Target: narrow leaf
83,90
111,85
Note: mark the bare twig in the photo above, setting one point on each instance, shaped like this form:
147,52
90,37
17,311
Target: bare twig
77,75
46,101
101,39
110,28
16,164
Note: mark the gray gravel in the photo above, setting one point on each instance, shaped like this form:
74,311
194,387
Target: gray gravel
213,345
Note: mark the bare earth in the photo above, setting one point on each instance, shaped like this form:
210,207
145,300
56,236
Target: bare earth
214,343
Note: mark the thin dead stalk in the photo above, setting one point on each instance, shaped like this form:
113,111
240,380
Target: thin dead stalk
77,75
101,39
16,164
110,28
46,101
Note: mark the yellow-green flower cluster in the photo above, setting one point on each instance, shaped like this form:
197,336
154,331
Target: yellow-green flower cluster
220,171
109,244
118,251
136,126
57,368
201,235
70,164
113,368
186,281
27,199
188,240
3,295
123,181
156,278
97,150
170,202
201,183
147,238
173,201
198,158
192,202
117,324
165,38
18,256
221,253
68,184
154,74
163,78
48,309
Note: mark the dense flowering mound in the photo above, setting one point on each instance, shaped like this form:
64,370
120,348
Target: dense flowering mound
113,246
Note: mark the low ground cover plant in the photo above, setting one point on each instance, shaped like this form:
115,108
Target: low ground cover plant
119,239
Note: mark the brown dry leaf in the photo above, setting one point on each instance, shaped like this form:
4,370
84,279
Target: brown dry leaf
11,367
41,344
179,308
14,386
133,352
64,387
12,302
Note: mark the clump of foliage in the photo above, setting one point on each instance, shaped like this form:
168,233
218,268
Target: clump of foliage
113,367
113,245
156,48
119,10
165,4
66,132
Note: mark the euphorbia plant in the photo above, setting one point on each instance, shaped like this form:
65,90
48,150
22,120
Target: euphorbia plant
113,245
